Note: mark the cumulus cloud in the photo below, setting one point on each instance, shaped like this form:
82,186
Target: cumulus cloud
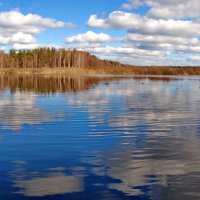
149,39
144,25
123,53
161,39
97,23
167,8
146,53
167,43
17,29
167,28
109,50
14,21
18,37
18,46
90,37
176,9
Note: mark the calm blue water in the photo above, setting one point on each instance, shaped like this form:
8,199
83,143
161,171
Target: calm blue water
108,138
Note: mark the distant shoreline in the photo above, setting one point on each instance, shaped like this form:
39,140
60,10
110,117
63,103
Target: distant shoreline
61,61
104,71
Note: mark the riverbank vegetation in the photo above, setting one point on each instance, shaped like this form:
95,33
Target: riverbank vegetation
62,61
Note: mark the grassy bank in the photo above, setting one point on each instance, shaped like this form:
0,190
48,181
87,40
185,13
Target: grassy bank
62,61
45,71
106,70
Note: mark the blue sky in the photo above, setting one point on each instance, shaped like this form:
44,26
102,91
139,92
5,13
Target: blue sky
75,11
140,32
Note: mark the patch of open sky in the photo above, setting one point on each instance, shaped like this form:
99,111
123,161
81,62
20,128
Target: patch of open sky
73,10
52,37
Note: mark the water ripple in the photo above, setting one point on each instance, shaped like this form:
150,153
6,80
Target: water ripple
85,137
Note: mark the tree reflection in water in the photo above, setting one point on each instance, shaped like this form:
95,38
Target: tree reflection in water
135,137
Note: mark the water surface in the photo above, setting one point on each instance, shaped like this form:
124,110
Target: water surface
86,138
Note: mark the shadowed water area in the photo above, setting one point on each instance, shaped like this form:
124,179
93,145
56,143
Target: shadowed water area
95,137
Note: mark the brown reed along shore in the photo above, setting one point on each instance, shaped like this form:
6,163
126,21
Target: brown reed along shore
62,61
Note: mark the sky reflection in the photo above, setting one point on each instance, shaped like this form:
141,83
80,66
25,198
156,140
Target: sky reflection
20,108
112,139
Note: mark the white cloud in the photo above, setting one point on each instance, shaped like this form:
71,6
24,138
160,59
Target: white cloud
166,43
124,51
23,38
176,9
18,46
120,53
17,29
90,37
14,21
144,25
161,39
19,39
167,8
146,53
149,40
97,23
116,20
161,32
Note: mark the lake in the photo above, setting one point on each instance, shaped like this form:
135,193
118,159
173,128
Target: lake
99,137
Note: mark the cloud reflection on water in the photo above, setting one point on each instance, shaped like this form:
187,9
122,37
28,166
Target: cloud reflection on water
53,184
20,108
152,134
162,122
50,182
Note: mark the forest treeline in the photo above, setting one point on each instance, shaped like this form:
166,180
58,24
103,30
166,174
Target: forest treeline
51,58
54,60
